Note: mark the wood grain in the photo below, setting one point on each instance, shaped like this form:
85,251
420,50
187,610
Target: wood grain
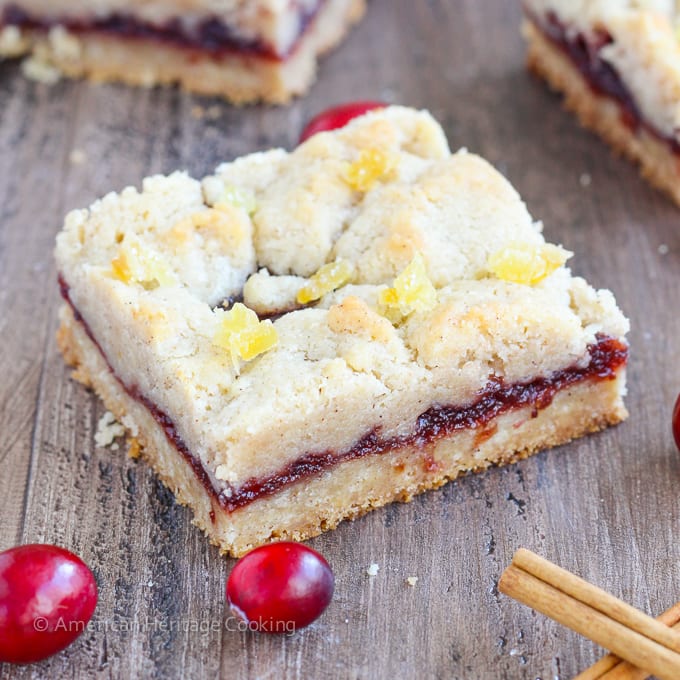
604,507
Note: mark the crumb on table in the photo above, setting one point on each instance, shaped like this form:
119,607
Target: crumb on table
40,71
77,157
108,430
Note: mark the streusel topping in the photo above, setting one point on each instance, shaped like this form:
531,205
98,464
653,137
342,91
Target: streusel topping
410,290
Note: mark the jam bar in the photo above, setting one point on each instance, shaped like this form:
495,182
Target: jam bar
241,49
618,64
305,336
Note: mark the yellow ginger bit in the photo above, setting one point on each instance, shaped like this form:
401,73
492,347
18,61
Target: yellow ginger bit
412,292
527,263
243,335
121,268
135,265
238,197
328,278
371,166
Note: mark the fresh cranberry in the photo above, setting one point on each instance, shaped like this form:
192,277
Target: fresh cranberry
676,422
47,597
338,117
280,587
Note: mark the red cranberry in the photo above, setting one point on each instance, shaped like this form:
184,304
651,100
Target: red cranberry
338,117
47,597
280,587
676,422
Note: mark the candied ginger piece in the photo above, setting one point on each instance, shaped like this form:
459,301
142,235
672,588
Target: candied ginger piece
412,291
243,335
328,278
527,263
371,166
135,264
238,197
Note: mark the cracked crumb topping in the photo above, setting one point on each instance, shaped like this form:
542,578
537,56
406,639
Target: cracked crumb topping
383,302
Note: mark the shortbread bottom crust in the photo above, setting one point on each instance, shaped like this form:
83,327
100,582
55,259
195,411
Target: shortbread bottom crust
240,77
659,164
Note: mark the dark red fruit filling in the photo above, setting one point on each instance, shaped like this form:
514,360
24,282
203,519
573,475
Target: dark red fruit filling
337,117
606,357
47,598
211,35
602,77
280,588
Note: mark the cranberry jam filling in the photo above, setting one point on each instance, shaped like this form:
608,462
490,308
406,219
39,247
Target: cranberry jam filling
211,35
606,357
601,76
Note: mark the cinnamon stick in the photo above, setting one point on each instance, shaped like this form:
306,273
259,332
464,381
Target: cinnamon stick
597,598
611,667
594,613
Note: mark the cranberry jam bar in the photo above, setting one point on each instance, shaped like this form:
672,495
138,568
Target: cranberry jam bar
618,64
305,336
244,50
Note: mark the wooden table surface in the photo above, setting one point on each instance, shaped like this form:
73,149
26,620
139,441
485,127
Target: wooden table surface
605,507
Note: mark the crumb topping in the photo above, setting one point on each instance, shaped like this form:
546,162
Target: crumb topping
383,302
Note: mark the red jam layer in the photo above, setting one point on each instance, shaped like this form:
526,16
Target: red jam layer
601,76
210,36
607,356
